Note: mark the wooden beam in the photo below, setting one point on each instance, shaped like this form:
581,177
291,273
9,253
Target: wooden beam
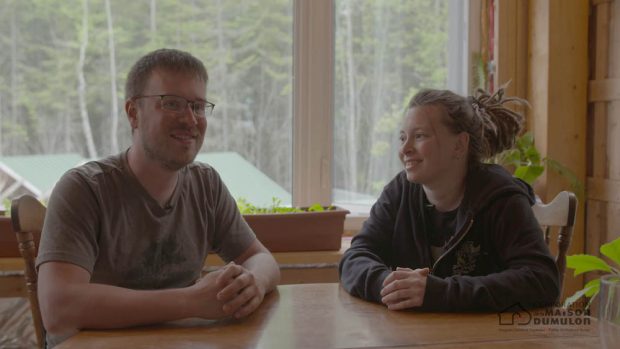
604,90
600,2
606,190
557,91
596,226
511,48
599,117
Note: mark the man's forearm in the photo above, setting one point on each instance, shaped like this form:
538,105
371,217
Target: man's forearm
69,302
78,306
265,270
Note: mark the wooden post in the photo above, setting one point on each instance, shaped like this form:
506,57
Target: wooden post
557,91
511,49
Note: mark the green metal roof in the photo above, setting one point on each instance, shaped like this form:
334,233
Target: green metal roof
40,172
244,180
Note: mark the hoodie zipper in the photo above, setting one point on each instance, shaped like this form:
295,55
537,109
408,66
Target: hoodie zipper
471,222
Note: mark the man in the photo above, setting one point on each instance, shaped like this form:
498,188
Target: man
125,238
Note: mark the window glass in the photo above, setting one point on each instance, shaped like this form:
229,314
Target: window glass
62,74
385,51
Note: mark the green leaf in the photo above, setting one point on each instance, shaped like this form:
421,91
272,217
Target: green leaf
526,140
572,299
316,208
583,263
592,287
529,173
510,157
591,300
533,155
590,290
612,250
276,207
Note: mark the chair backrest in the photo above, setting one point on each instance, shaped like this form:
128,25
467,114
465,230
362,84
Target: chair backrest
27,215
560,212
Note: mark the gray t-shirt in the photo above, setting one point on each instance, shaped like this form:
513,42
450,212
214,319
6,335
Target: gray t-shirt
100,218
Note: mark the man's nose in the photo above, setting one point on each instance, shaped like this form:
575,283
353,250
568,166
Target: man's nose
188,114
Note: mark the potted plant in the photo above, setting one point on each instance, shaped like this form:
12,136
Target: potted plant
526,163
583,263
291,229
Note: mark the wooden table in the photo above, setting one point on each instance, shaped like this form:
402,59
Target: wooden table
325,316
295,268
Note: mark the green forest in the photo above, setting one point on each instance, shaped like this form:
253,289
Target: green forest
63,65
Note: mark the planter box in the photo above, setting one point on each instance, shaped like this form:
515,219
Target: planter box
299,231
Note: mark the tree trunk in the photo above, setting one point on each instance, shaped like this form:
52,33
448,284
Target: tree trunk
153,19
66,120
223,73
1,117
113,93
376,165
13,118
81,88
351,125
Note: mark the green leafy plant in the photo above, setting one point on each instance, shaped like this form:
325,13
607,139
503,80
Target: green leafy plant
276,207
583,263
528,164
6,207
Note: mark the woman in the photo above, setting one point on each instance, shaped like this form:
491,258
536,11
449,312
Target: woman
451,233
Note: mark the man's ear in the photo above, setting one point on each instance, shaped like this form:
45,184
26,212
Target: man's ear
132,113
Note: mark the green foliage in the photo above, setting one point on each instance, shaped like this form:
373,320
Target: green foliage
276,207
529,165
583,263
383,52
7,207
245,45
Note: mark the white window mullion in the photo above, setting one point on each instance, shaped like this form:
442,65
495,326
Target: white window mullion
313,59
458,46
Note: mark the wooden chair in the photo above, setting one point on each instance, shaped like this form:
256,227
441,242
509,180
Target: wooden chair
27,215
560,212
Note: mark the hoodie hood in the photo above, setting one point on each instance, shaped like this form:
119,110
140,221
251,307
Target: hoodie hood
487,183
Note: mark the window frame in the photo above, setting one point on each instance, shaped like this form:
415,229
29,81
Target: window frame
313,97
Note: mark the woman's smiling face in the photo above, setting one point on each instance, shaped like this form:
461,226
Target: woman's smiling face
429,150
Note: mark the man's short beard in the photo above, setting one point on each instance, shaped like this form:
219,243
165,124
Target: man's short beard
168,164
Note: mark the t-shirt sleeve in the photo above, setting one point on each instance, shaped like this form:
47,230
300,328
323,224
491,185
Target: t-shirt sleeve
71,220
231,235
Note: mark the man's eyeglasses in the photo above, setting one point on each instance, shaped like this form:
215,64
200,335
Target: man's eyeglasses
178,104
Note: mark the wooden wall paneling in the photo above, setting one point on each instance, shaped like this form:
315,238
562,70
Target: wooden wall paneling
604,190
613,139
538,67
511,50
613,119
605,90
599,169
597,205
557,90
596,217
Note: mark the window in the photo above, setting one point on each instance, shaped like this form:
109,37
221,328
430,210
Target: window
62,82
382,52
308,93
